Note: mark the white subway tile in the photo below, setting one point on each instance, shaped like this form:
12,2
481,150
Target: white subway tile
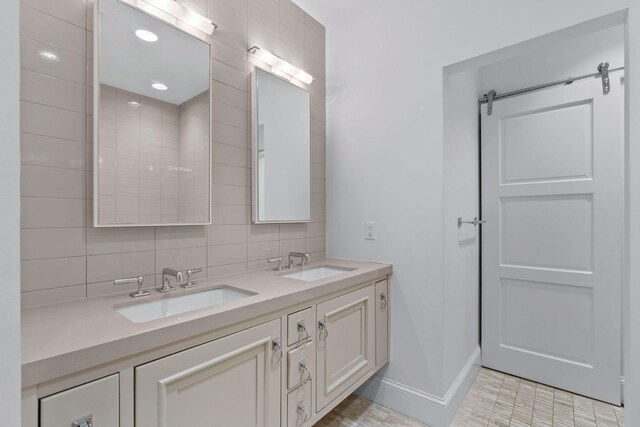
181,258
295,245
230,95
38,181
226,234
45,212
230,175
263,232
40,150
226,254
120,240
230,155
230,195
228,75
43,27
223,270
42,274
73,11
230,135
38,243
101,268
49,121
230,115
52,296
262,250
316,244
51,91
52,61
181,237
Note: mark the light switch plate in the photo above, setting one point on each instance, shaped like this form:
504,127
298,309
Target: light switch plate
370,230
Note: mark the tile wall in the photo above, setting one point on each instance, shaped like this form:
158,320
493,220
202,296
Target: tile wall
193,162
139,158
63,256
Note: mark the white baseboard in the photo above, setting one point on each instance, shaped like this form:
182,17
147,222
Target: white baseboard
429,409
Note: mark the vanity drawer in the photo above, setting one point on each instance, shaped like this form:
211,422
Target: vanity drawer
97,401
294,335
299,406
297,359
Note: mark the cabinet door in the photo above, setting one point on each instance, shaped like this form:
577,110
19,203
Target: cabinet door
97,399
233,381
346,342
382,322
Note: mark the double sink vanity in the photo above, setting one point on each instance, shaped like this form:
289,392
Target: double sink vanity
265,347
268,348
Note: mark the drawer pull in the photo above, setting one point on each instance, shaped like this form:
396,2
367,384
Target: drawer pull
302,414
276,347
303,334
323,332
83,422
305,374
383,301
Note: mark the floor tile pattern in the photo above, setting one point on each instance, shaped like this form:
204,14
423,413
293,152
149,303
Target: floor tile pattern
494,400
358,412
499,400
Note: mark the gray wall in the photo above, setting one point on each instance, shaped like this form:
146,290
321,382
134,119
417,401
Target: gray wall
385,153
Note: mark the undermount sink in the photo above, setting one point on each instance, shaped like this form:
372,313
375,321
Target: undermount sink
140,312
317,273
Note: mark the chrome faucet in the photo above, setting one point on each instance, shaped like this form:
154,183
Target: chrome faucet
166,282
304,258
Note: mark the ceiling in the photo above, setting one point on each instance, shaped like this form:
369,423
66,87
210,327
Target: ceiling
328,12
178,60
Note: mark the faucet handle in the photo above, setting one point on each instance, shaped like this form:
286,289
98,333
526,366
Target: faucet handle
189,283
138,280
278,260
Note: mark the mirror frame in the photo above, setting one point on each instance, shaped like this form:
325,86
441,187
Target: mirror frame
254,150
96,119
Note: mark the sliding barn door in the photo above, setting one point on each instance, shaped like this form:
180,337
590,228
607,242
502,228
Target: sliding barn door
552,195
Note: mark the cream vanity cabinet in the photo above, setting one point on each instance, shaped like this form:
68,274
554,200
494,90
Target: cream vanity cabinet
288,370
346,342
233,381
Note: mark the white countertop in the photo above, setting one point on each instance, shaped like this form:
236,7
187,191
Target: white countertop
61,339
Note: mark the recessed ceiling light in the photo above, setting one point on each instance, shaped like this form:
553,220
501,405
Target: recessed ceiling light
147,36
159,86
48,55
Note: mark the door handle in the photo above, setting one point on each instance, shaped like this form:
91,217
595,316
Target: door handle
475,222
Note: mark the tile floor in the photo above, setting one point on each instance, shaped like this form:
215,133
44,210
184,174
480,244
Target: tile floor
358,412
494,400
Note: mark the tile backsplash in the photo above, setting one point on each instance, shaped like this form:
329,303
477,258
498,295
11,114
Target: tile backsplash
63,256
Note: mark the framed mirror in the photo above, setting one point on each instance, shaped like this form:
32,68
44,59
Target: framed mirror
152,119
281,150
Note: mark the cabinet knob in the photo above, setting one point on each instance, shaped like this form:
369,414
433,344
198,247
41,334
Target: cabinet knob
383,300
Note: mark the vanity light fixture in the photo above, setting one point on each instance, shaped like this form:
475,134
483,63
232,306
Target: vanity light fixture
178,11
159,86
146,35
279,66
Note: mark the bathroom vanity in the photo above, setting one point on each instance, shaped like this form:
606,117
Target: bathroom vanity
271,350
